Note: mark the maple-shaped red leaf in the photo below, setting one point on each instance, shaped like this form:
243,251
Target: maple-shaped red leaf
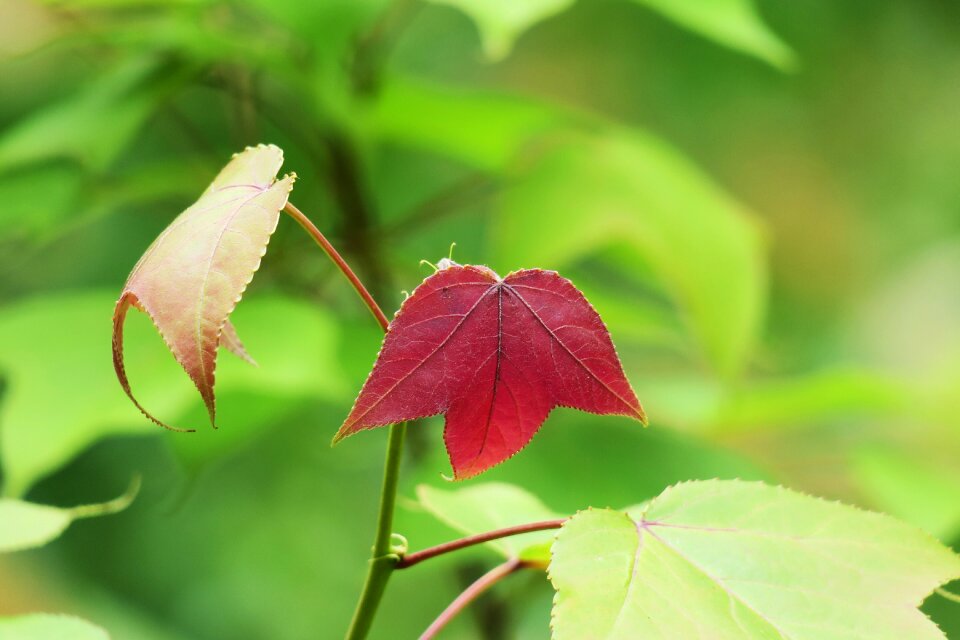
495,355
194,274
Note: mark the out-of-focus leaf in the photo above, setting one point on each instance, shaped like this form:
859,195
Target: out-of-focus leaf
502,21
194,274
24,525
37,198
94,126
49,626
49,200
489,506
744,560
817,398
629,189
731,23
327,24
923,493
433,118
62,396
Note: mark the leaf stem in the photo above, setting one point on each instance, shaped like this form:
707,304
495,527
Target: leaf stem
384,559
411,559
338,260
471,593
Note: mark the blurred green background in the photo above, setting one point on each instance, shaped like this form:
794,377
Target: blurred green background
762,201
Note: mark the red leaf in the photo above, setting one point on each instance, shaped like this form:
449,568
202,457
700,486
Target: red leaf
195,272
496,356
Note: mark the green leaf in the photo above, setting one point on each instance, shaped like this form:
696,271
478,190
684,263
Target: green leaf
621,188
829,395
37,198
731,23
94,126
47,626
490,506
741,560
62,394
24,525
431,117
502,21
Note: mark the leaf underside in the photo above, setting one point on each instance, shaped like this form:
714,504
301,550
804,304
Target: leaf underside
195,272
738,560
495,356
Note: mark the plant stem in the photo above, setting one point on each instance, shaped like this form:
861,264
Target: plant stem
338,260
414,558
470,594
384,560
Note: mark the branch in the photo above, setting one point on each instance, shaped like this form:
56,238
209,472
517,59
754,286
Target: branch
471,593
411,559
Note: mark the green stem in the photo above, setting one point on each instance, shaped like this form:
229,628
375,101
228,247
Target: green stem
384,559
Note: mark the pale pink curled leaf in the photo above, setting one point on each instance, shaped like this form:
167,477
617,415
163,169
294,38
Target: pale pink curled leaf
230,341
194,274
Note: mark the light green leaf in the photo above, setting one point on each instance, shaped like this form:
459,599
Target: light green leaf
494,505
731,23
502,21
829,395
432,117
62,392
48,626
24,525
625,189
740,560
94,126
38,198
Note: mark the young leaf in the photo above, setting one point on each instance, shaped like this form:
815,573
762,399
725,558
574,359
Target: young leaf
743,560
495,355
24,525
193,275
494,505
48,626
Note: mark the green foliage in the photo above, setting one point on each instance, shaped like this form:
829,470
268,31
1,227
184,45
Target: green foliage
732,23
744,560
44,626
430,117
92,127
842,381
